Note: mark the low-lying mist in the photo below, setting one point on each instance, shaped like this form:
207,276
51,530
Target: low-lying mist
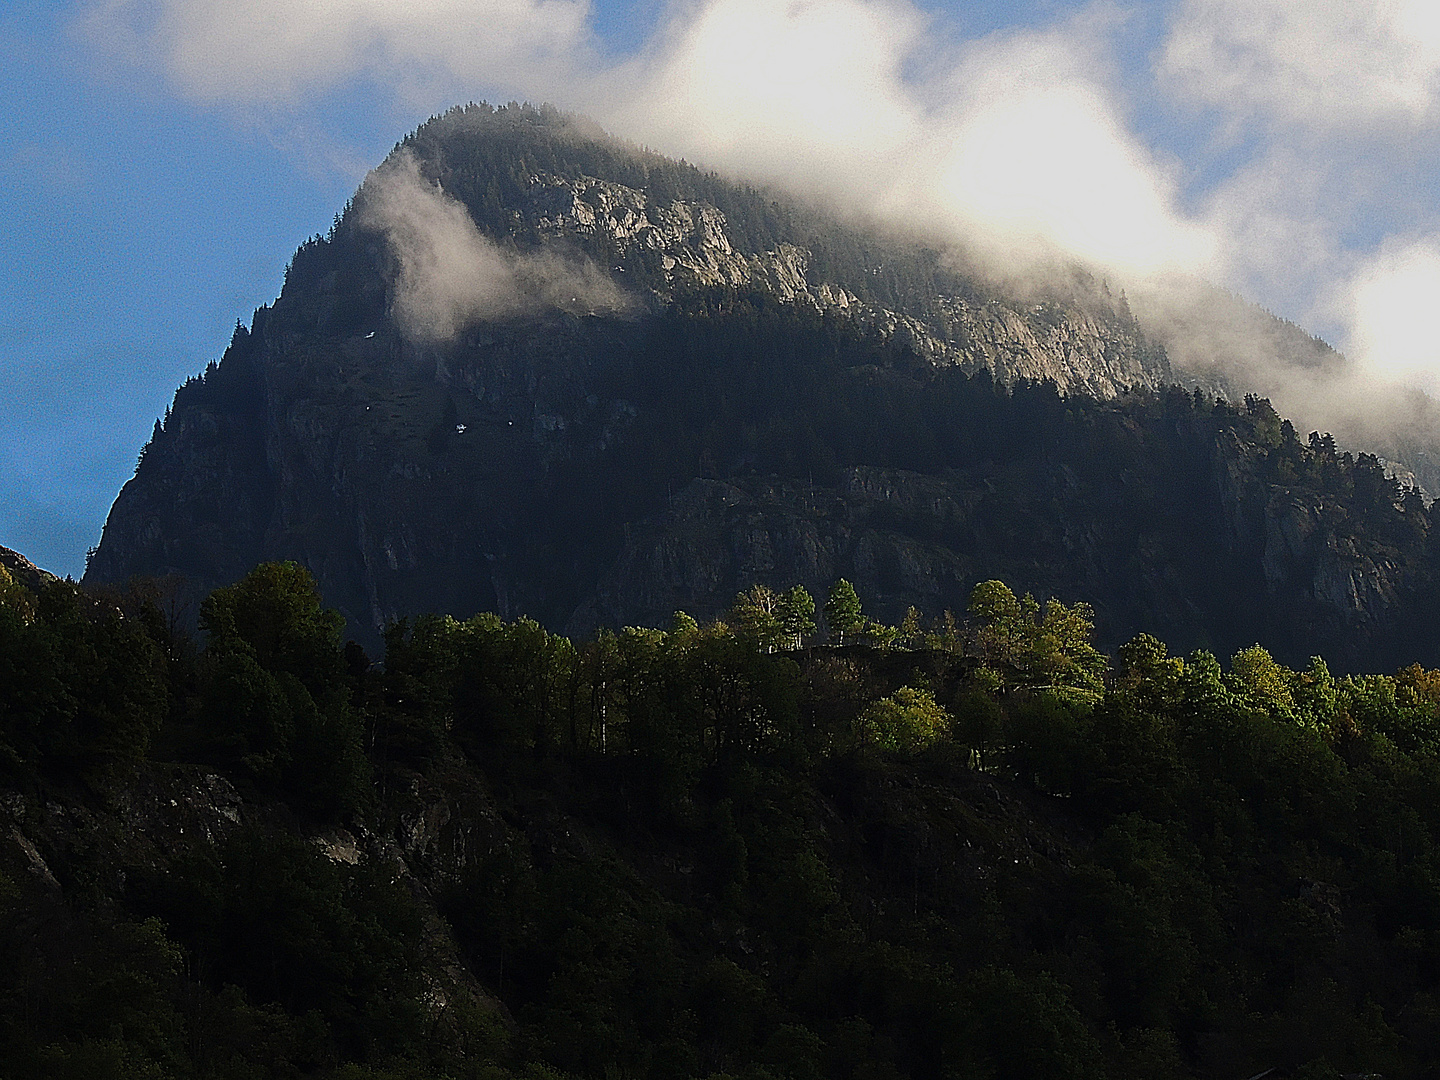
1229,346
449,275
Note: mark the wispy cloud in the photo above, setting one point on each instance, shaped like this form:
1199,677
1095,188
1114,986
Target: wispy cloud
1008,142
279,51
1333,216
1392,299
450,275
1311,64
1035,150
813,93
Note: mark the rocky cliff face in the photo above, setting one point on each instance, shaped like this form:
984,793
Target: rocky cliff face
1315,560
1087,344
1251,561
694,387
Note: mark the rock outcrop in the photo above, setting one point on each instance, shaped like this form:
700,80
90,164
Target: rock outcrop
1088,345
23,570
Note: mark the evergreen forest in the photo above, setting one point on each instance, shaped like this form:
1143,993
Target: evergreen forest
966,845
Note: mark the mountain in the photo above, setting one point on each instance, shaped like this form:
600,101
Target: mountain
535,370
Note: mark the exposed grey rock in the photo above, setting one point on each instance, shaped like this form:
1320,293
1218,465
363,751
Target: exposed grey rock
1092,346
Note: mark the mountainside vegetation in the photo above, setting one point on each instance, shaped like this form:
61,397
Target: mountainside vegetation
967,845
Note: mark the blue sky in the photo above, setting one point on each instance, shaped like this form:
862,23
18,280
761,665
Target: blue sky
161,159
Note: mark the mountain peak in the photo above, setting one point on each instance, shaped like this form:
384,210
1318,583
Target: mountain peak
536,371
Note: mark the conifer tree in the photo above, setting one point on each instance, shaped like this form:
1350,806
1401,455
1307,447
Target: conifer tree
842,611
796,611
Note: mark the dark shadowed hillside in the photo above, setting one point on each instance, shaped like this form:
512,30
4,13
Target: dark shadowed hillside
981,850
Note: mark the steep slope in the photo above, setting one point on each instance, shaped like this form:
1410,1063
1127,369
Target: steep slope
536,371
1226,345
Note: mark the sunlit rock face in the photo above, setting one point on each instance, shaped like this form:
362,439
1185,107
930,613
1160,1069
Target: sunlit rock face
1083,342
641,387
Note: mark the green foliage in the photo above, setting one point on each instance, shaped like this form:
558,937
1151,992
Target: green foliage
909,633
796,611
1263,683
876,634
676,854
756,614
842,611
274,917
1147,671
1028,649
1027,1028
276,615
514,685
15,597
659,854
273,697
905,721
85,997
80,684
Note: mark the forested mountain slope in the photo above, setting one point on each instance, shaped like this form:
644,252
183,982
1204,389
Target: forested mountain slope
975,852
534,371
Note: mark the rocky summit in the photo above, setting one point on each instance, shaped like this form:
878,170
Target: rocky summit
538,371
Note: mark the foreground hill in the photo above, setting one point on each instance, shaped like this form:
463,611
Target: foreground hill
534,371
676,854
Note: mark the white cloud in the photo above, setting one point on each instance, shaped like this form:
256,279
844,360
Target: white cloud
281,50
1392,300
810,92
1049,167
1310,129
1339,104
450,275
1280,215
1314,64
1010,144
